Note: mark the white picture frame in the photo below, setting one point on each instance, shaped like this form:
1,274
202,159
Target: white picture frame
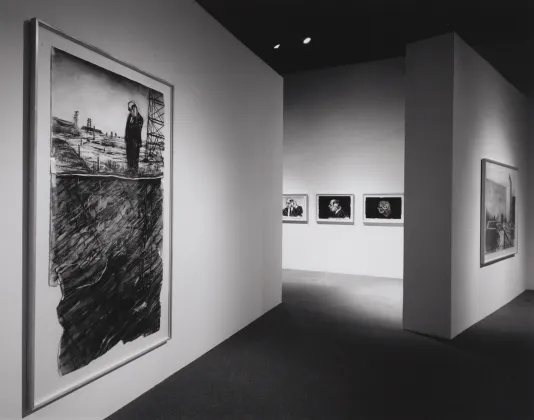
295,208
52,370
498,212
383,209
325,214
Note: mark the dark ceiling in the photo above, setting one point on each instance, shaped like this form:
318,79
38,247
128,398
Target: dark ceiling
353,31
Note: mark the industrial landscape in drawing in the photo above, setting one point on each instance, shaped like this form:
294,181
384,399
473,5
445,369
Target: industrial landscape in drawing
106,233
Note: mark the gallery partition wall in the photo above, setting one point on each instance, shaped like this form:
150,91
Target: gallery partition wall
466,236
135,149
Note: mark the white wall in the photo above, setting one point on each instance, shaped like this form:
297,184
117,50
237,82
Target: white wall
428,185
344,133
228,145
459,110
490,121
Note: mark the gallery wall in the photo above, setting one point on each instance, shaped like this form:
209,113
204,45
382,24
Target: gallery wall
490,121
459,110
344,134
227,154
428,185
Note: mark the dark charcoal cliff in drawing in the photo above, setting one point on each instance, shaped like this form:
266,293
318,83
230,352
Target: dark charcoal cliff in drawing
106,238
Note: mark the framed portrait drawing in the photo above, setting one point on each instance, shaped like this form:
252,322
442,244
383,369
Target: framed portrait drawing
383,208
335,208
295,208
99,257
498,212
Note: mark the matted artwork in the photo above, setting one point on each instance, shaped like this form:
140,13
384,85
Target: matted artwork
498,230
100,227
335,208
295,208
383,208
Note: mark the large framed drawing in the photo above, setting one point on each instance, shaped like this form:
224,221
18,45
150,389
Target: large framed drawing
383,209
295,208
335,208
99,280
498,212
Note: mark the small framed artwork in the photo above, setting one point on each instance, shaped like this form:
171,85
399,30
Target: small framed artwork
383,208
99,283
295,208
498,212
335,208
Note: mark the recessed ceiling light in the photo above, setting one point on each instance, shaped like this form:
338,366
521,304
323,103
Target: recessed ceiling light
277,46
307,40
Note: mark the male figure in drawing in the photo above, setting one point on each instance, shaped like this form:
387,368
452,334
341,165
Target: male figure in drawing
336,211
132,136
292,209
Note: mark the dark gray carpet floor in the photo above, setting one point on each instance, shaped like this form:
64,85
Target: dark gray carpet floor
315,358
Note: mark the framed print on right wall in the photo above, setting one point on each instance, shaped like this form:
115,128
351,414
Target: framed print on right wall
498,212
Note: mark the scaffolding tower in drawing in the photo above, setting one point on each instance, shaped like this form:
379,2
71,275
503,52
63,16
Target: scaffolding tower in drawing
155,139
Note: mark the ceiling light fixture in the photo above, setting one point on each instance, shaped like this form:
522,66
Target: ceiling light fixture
307,40
277,46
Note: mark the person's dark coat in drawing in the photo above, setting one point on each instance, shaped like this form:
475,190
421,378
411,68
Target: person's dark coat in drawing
297,211
132,136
